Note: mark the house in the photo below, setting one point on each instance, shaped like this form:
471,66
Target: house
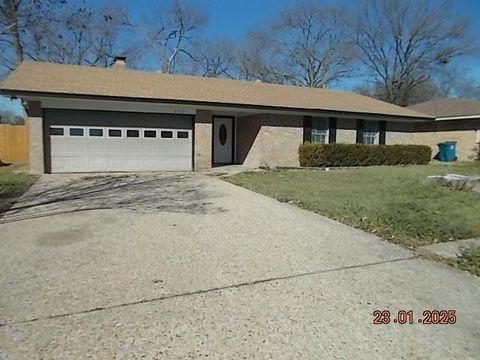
455,119
87,119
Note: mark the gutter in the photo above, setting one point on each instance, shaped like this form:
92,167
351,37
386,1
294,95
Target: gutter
458,117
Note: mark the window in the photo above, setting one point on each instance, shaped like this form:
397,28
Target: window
167,134
114,133
370,132
133,133
182,134
95,132
149,134
76,132
320,130
56,131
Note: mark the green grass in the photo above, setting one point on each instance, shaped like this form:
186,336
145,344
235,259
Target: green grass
13,183
388,201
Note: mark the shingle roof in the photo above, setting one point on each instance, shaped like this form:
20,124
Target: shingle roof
38,77
453,107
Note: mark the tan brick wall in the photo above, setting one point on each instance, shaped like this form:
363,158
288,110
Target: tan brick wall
268,139
400,133
467,149
463,132
346,131
203,140
35,126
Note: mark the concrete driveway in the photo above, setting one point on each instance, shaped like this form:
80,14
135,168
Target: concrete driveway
188,266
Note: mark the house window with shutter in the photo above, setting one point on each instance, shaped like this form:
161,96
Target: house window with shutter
371,132
320,128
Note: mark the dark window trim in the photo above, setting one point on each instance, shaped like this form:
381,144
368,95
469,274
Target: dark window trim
382,136
307,128
332,130
359,131
193,142
47,158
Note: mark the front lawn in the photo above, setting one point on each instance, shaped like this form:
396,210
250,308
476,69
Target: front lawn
388,201
13,183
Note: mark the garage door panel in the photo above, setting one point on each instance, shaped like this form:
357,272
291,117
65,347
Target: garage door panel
96,148
97,164
89,153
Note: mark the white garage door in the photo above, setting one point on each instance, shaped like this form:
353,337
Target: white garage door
96,149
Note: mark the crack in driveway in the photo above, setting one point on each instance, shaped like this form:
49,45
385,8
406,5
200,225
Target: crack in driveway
205,291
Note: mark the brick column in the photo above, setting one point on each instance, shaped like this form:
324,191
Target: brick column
35,138
203,140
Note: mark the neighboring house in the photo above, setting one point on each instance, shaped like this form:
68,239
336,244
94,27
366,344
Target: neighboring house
455,119
85,119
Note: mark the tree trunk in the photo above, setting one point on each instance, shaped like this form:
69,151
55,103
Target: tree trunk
17,44
12,15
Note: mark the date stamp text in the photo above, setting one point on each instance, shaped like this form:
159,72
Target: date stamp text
429,317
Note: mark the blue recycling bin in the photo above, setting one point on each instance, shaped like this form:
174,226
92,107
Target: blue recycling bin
447,151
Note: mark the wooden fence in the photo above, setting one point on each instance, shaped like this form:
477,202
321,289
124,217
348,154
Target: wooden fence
14,144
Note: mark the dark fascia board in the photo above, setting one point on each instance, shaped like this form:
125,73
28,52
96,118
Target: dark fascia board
20,93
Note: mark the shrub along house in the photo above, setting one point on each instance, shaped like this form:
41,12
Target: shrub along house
86,119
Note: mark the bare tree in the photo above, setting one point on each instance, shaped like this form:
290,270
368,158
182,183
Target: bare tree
214,58
171,31
305,46
81,36
427,90
10,13
16,18
450,81
470,90
311,38
55,31
402,42
455,81
254,59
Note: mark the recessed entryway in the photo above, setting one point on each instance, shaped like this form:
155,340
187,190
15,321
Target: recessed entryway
223,139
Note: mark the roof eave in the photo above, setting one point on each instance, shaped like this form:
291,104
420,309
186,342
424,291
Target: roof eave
458,117
29,93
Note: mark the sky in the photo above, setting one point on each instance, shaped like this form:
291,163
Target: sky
234,18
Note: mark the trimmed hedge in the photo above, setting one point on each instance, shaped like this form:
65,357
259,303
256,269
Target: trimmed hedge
318,155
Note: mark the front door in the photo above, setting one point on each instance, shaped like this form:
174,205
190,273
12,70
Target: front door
222,140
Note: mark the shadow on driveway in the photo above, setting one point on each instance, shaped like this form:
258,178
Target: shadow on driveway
180,193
